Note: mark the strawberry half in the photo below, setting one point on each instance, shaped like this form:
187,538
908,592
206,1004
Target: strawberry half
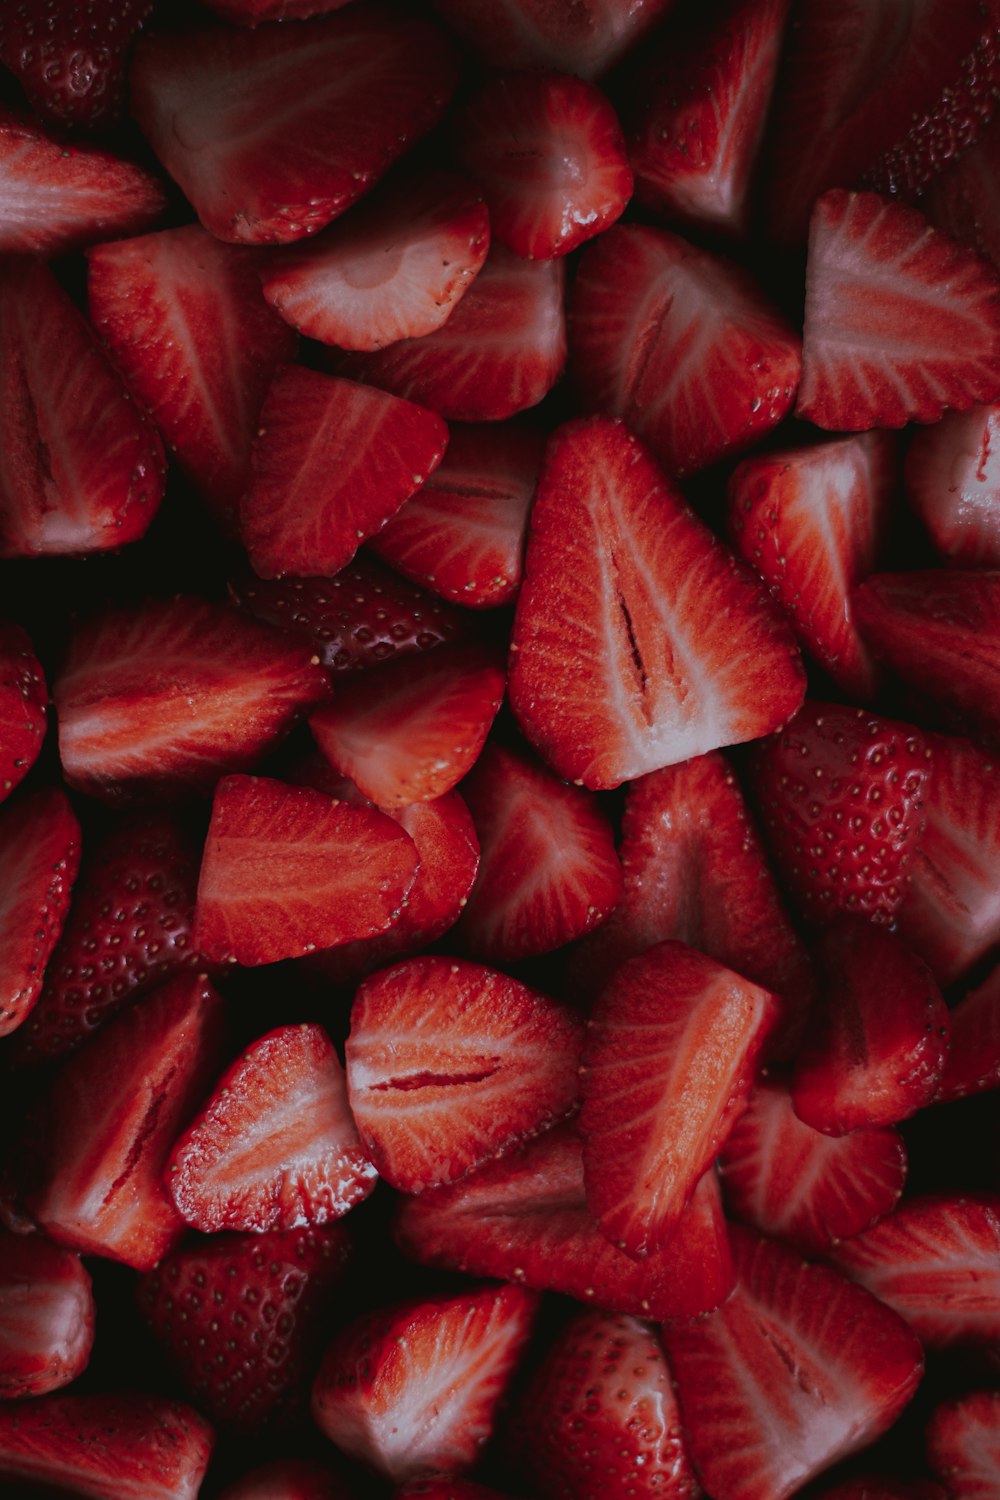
952,476
39,859
415,1388
46,1316
291,1478
586,39
24,698
963,1444
71,59
450,1064
638,639
973,1062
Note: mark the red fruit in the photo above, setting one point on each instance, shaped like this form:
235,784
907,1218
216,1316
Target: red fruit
24,698
274,132
71,59
252,12
681,344
81,468
332,461
841,795
287,870
901,320
395,269
46,1316
292,1478
39,858
587,39
639,640
415,1388
184,319
953,483
963,1444
813,521
168,695
811,1190
450,1064
240,1317
973,1062
797,1369
963,200
109,1446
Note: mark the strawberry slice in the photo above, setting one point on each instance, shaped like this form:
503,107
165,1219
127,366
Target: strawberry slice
701,102
587,39
396,268
168,694
841,794
952,476
670,1055
71,61
963,1444
81,468
973,1063
450,1064
240,1318
24,697
524,1218
46,1316
936,1261
548,152
106,1124
287,870
599,1416
901,320
415,1388
813,521
812,1190
681,344
184,319
273,132
112,1447
462,534
410,731
275,1146
638,640
39,859
501,351
797,1369
289,1478
332,461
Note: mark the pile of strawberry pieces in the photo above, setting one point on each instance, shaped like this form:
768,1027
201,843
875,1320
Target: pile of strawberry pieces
499,704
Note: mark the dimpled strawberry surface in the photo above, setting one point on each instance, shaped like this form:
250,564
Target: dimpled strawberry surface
499,749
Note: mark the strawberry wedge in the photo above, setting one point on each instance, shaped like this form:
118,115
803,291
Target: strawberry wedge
46,1316
952,478
39,859
963,1445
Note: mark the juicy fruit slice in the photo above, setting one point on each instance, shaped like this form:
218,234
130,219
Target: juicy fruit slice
39,858
70,61
952,476
450,1064
962,1444
332,461
798,1369
275,1146
638,640
46,1316
24,697
973,1064
287,870
415,1388
587,39
395,269
901,321
272,133
681,344
81,468
671,1050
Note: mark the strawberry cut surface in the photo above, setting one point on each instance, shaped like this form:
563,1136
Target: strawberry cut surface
39,860
47,1316
952,477
963,1444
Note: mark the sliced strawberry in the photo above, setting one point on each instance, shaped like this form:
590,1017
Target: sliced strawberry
587,38
701,101
638,639
681,344
81,468
952,478
901,320
287,870
107,1121
240,1318
332,461
127,1447
184,319
937,1262
46,1316
55,197
24,697
599,1415
964,200
548,152
812,1190
502,349
462,534
169,694
841,794
291,1478
524,1218
39,859
973,1063
411,731
275,1146
450,1064
963,1444
415,1388
71,60
395,269
813,521
799,1368
274,132
655,1110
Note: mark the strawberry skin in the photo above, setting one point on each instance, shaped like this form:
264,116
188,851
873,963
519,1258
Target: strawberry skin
46,1316
952,477
973,1063
70,59
963,1448
39,859
24,698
